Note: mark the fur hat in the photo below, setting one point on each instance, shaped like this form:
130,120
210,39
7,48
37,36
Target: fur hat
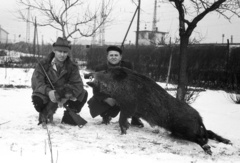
114,48
62,44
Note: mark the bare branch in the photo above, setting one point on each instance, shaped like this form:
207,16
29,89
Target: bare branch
199,8
67,16
225,8
4,122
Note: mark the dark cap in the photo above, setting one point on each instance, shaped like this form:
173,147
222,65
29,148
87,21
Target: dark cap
62,44
114,48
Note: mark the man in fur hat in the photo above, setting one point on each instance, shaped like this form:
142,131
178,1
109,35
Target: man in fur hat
61,71
104,103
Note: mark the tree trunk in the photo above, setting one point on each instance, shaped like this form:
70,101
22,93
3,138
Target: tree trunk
182,76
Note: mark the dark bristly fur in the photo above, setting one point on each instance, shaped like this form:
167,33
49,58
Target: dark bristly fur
139,95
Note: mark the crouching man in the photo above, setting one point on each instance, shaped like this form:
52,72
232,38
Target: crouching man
61,71
102,102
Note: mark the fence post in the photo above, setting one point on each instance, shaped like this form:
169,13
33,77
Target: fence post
227,56
170,63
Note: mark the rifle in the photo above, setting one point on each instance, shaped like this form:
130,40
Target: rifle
76,118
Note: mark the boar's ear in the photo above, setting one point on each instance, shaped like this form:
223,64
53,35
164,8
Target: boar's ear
119,74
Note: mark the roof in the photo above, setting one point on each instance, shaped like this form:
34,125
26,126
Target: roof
152,31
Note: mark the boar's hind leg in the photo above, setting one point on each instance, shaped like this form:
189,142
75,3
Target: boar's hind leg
214,136
201,138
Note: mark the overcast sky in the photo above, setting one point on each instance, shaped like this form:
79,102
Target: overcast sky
211,27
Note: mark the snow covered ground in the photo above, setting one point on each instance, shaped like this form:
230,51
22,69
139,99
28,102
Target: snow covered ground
23,141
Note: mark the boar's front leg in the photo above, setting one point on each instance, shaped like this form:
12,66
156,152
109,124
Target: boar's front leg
123,123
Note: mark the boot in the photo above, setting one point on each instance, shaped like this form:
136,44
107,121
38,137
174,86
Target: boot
137,122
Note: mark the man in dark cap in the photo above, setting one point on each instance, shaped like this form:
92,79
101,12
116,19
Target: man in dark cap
61,71
103,102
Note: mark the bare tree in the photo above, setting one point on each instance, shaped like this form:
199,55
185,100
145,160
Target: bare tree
70,17
190,13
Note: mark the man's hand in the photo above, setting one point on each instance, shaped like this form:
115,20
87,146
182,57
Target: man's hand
110,101
51,95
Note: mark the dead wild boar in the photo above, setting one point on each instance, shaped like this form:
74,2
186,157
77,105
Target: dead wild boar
139,95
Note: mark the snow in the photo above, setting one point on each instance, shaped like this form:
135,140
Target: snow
22,140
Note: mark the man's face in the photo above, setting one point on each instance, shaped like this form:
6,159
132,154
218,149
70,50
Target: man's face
60,55
114,57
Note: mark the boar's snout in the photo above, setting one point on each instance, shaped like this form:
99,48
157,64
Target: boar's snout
91,84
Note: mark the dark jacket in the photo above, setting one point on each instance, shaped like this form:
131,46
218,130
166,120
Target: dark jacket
69,75
100,96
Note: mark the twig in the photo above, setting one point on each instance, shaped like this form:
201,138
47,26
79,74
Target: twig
57,157
50,144
4,123
45,147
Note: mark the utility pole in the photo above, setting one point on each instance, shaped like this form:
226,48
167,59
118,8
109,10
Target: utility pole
154,22
138,21
223,38
94,30
28,26
35,39
102,28
122,46
14,40
42,40
0,33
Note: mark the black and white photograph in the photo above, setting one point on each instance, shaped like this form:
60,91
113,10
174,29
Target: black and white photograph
120,81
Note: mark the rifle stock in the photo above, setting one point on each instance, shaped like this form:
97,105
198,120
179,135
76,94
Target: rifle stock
77,118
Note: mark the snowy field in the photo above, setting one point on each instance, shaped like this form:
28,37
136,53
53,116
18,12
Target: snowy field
23,141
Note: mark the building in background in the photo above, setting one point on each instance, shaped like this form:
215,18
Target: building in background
3,35
148,37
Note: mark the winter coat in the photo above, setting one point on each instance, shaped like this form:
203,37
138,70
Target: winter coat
69,75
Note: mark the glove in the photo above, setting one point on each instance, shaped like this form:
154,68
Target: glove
51,95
